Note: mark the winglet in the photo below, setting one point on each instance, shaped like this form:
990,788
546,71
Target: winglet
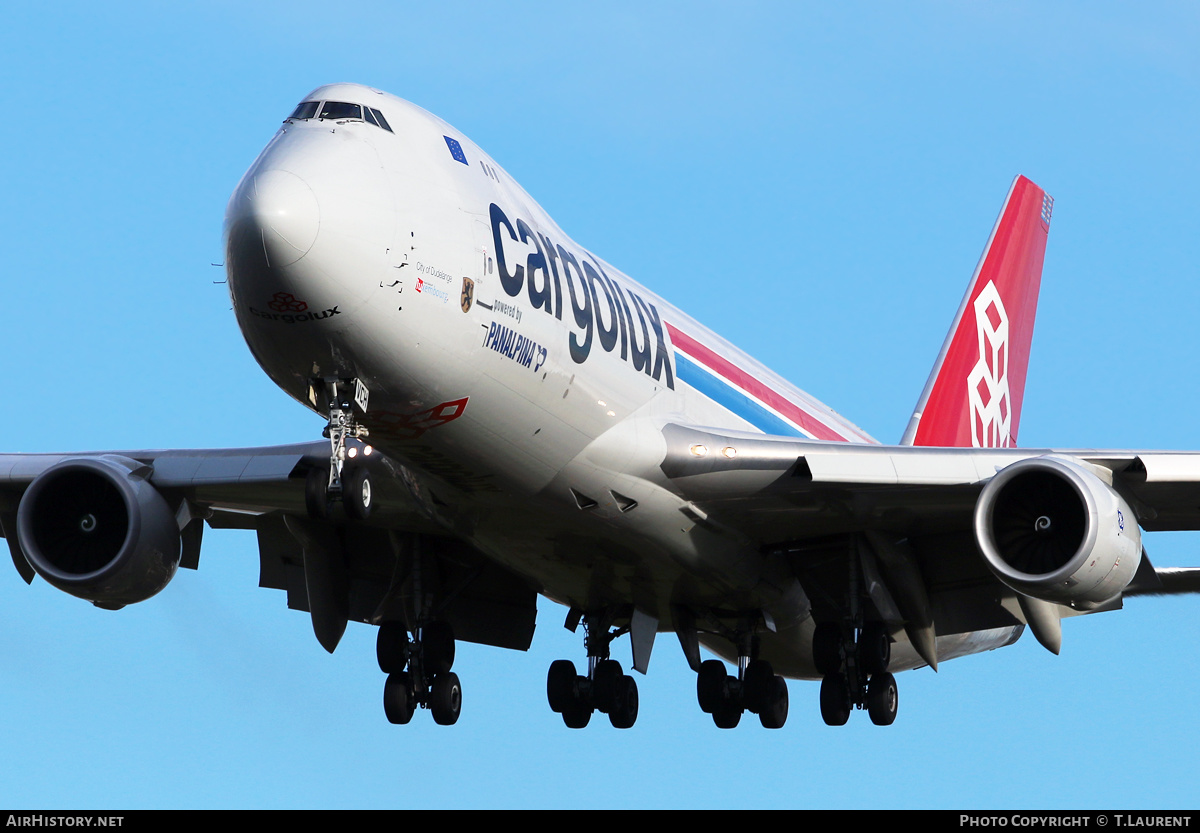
974,394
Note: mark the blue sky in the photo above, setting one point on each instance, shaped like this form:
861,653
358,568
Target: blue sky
813,182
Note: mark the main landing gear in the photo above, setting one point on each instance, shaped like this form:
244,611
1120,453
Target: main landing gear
418,670
855,672
756,688
606,688
345,477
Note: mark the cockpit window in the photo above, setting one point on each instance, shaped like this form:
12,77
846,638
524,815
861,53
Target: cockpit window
306,110
380,120
340,110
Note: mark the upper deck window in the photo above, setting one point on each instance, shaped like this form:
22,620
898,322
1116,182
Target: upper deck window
340,110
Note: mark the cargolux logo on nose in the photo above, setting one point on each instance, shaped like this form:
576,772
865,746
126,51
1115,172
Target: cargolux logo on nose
287,302
288,309
987,384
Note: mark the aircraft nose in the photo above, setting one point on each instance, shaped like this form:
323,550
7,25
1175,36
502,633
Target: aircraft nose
285,210
312,217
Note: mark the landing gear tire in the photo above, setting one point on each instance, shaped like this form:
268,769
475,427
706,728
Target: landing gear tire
624,711
316,493
775,704
710,685
835,699
445,699
560,685
882,699
874,648
728,714
398,701
578,712
391,647
757,684
827,648
357,494
606,685
437,643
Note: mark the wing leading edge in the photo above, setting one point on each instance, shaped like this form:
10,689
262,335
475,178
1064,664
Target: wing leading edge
761,470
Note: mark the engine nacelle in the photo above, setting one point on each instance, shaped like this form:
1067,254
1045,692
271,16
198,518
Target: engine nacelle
1050,528
94,528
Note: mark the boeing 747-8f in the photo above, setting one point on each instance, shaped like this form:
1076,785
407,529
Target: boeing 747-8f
507,414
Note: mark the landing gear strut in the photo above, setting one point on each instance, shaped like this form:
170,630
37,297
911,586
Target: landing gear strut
606,688
418,670
856,674
853,656
756,688
345,477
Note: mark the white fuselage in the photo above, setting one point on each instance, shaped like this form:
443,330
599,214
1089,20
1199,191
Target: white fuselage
521,374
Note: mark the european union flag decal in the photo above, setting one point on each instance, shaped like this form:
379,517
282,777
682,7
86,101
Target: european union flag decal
456,150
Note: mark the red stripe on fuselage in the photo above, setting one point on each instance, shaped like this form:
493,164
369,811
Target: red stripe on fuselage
731,373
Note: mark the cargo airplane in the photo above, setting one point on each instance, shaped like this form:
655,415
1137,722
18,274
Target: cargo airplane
509,415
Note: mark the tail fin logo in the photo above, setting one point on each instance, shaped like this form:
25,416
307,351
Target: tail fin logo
987,383
992,361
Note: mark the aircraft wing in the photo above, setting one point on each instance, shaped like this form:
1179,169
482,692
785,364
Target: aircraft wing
771,482
157,502
972,538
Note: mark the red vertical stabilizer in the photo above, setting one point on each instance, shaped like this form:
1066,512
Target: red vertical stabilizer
974,394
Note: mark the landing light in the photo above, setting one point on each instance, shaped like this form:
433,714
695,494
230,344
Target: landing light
352,452
729,451
699,450
367,450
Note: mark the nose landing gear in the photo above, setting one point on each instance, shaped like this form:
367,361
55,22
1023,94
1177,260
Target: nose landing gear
345,477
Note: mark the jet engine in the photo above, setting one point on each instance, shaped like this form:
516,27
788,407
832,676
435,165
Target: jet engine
1050,528
95,528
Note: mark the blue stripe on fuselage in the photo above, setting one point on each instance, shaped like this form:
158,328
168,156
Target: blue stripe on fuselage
731,398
